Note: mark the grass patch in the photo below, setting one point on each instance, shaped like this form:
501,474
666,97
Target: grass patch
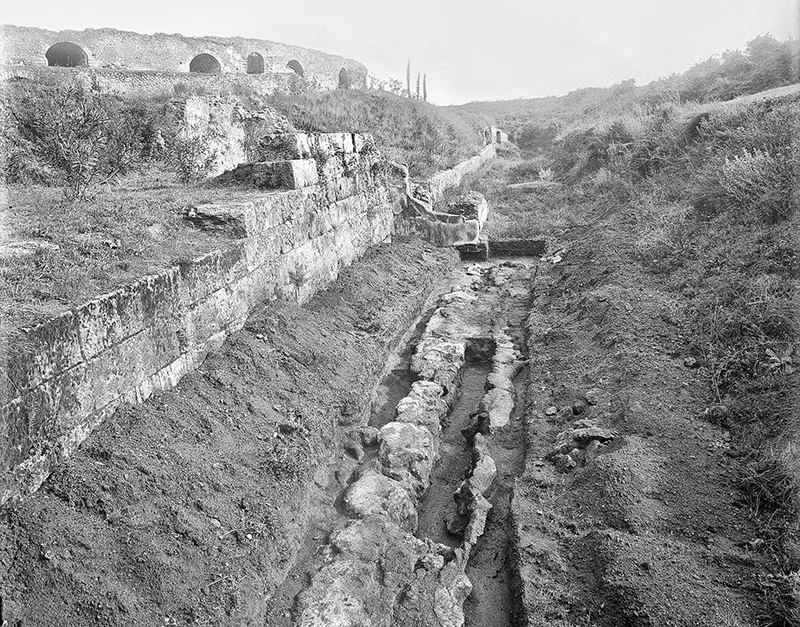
78,251
425,137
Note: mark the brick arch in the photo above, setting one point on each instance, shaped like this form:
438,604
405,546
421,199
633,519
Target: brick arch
66,54
205,63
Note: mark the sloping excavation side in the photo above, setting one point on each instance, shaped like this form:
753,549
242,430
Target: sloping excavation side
381,568
628,511
191,508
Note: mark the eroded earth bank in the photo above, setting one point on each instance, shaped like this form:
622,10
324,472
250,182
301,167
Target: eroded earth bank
428,442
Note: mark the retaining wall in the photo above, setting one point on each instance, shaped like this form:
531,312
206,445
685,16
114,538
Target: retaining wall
451,178
78,367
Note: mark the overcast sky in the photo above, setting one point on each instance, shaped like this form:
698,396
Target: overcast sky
487,50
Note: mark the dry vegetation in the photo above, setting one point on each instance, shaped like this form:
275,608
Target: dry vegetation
98,184
710,200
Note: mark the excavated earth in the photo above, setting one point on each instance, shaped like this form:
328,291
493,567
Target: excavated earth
628,511
428,442
192,508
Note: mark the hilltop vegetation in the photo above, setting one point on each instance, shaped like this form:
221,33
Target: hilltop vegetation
765,63
704,201
425,137
74,135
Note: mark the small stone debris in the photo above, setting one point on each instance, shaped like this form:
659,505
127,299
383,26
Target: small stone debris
551,411
564,463
716,413
592,396
352,446
368,436
691,362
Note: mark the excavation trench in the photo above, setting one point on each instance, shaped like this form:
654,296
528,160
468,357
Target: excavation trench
410,520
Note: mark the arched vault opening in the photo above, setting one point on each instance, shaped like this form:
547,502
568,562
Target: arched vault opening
255,63
344,79
205,64
296,67
66,54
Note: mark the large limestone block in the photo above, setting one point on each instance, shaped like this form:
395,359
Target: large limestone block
499,404
381,576
439,360
424,406
407,453
375,494
293,174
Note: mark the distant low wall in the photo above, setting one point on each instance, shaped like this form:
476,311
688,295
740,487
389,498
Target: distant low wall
447,179
81,365
155,82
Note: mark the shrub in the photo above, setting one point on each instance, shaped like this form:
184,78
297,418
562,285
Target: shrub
70,134
68,127
193,155
749,162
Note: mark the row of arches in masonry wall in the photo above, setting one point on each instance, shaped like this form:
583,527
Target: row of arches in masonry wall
68,54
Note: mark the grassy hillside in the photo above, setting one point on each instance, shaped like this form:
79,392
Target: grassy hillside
765,63
705,202
426,137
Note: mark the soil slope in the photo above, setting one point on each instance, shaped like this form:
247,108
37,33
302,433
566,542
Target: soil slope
629,511
190,509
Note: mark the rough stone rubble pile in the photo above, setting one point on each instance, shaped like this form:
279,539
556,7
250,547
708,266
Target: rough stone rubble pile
376,572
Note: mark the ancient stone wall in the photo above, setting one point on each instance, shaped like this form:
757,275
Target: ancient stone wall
122,50
149,82
451,178
81,365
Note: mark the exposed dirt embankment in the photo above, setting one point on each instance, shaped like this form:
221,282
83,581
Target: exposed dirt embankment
629,510
190,508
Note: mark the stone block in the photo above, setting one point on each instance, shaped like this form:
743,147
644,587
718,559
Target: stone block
407,453
292,174
375,494
499,404
424,406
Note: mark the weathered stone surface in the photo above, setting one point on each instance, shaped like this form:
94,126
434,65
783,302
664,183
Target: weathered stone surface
369,436
375,494
424,406
499,380
172,54
451,178
481,477
407,453
471,205
499,404
292,174
584,433
439,360
382,576
123,346
215,217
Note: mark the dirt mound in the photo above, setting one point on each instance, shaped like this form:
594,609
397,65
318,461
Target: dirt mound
189,509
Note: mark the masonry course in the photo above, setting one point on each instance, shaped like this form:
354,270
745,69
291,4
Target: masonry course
111,50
